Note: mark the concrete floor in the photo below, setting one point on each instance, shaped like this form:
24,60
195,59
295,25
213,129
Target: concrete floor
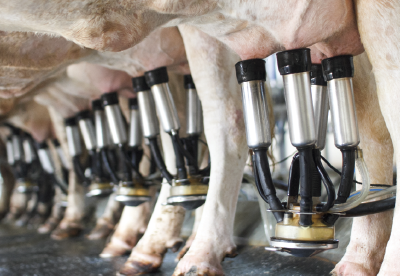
25,253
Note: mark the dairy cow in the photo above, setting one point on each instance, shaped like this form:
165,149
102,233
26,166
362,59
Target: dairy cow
252,29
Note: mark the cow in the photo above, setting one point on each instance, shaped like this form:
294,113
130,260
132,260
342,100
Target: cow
252,29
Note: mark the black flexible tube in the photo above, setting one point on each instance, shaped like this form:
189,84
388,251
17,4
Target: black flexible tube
191,158
191,146
136,157
180,162
294,176
371,208
108,167
155,151
128,161
62,186
153,165
79,171
346,180
95,163
264,182
280,185
125,166
65,175
306,203
330,189
46,188
316,178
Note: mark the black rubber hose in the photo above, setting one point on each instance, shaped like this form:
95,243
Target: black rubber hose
128,161
294,176
191,146
306,203
346,182
99,172
280,185
330,189
180,162
153,165
264,182
136,157
95,164
155,152
108,167
65,175
316,178
125,166
79,171
191,159
62,186
371,208
46,188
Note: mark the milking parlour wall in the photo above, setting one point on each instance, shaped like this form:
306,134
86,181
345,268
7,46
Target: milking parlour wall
306,225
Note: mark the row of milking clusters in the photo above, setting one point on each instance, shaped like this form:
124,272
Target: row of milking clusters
33,166
115,149
305,224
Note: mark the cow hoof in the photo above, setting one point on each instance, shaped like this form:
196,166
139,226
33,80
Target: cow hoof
36,221
101,231
48,226
22,221
344,268
65,233
141,263
112,250
138,268
203,261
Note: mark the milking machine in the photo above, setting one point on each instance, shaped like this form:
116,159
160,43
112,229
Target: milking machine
189,189
47,163
305,224
63,161
97,140
133,189
24,159
64,181
75,149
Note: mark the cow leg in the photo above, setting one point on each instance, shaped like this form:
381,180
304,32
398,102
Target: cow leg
71,225
18,204
105,224
131,226
31,206
197,219
164,227
212,67
369,234
57,213
378,22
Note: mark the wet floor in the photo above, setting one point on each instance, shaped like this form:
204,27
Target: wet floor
26,253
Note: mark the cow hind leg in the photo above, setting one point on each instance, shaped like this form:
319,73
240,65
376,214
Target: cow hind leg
370,234
164,228
378,23
105,224
212,68
131,226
